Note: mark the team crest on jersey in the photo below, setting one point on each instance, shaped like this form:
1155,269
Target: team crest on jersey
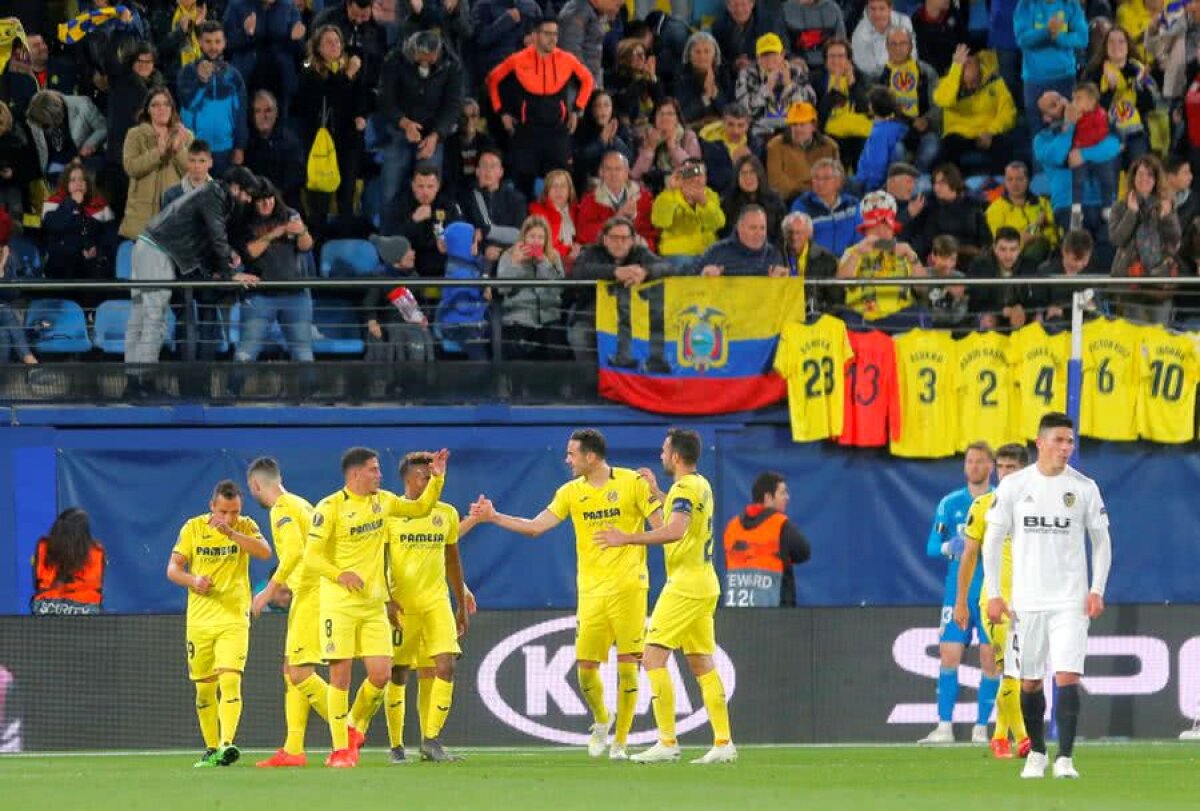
376,508
612,496
330,648
318,519
702,341
1069,499
437,520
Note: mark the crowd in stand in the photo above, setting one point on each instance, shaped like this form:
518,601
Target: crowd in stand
594,139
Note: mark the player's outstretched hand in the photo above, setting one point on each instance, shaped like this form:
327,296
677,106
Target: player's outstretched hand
202,585
997,610
259,603
438,467
350,581
483,509
611,538
961,615
1095,605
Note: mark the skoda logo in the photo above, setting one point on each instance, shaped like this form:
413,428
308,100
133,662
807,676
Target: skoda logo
528,682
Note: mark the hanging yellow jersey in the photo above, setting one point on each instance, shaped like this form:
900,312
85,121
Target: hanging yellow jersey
926,366
812,359
1041,363
985,390
1111,372
1167,394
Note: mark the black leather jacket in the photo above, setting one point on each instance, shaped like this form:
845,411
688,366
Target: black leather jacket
193,231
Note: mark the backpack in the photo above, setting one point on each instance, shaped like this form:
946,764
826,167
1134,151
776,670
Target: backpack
323,174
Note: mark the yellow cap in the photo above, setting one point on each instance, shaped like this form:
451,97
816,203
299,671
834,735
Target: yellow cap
801,112
768,44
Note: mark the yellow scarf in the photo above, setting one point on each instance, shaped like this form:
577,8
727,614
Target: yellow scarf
190,51
903,82
11,31
1123,111
844,121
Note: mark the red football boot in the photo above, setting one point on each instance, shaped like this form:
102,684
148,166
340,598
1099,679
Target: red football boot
282,759
342,759
1024,747
1001,748
356,739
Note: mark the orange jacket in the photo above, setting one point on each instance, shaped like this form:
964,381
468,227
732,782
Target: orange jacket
754,548
543,80
87,586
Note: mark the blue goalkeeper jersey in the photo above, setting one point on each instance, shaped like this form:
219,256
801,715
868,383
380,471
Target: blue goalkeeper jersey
948,522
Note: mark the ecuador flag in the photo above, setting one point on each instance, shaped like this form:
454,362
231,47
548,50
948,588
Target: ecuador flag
693,345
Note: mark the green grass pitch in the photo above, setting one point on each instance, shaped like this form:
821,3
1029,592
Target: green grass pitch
1114,776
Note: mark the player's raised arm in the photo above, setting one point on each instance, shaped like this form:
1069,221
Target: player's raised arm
421,507
483,510
255,545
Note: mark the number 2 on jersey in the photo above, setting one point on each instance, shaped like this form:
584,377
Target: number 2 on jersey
819,381
987,382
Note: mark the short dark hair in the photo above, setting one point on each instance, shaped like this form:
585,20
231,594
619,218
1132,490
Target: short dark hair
490,150
357,457
735,109
426,169
686,444
360,3
983,447
1078,243
226,488
765,484
751,208
591,441
264,465
1006,233
944,245
616,221
1090,88
1173,163
414,459
882,102
1014,450
199,147
952,176
1055,419
209,27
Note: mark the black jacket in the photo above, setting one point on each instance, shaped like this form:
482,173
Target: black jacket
689,92
794,548
280,158
962,219
993,299
434,101
367,41
332,101
505,208
193,231
596,263
421,235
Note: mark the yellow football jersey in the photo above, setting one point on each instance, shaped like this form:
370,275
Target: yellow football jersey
1167,395
985,380
812,358
291,519
1111,373
690,571
1041,363
927,368
417,557
976,529
210,554
623,503
349,533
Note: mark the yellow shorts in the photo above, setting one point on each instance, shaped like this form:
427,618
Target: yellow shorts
424,635
997,633
210,650
683,622
609,618
354,633
303,645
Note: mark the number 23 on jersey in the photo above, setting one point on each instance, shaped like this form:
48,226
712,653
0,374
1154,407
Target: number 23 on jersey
812,359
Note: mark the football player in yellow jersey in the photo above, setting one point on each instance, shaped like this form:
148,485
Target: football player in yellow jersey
612,585
346,547
291,519
1009,459
683,615
211,559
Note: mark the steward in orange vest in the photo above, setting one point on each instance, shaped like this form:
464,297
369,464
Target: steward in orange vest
68,568
761,546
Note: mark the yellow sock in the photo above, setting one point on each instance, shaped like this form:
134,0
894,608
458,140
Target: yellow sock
593,692
714,701
230,711
424,695
206,711
1000,733
366,704
1010,697
441,696
627,695
338,702
316,691
664,704
295,710
393,707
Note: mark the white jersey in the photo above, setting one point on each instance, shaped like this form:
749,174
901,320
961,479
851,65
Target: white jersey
1047,517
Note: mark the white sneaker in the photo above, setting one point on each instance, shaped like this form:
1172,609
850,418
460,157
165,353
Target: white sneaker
725,753
1035,766
979,734
617,753
942,733
1064,767
1192,734
598,742
659,753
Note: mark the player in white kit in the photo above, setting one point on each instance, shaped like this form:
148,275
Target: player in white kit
1050,510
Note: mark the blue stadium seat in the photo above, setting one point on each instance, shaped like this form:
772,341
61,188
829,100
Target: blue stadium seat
338,325
30,254
58,327
348,257
125,260
112,319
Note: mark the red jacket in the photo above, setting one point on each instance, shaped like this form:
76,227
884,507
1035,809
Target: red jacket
1090,129
551,215
594,213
